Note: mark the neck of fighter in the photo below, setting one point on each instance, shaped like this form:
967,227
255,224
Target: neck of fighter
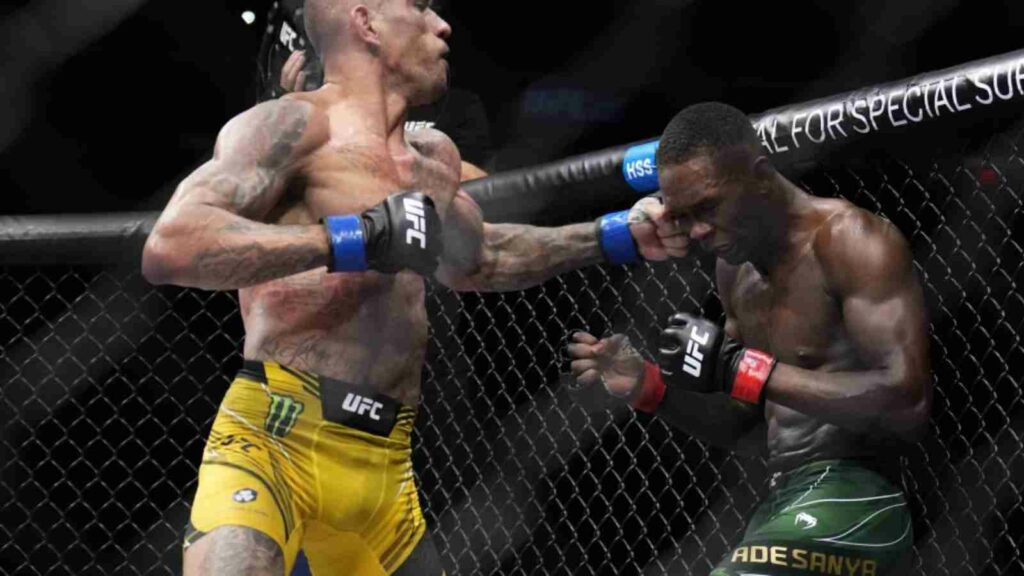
363,81
783,218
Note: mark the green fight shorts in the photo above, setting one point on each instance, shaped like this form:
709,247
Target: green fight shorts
831,517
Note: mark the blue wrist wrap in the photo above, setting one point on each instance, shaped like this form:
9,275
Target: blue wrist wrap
616,240
348,246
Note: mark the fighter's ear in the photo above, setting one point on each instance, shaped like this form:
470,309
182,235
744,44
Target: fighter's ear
363,22
763,167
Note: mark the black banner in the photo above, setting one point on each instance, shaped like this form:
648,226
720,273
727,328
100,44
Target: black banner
582,187
979,89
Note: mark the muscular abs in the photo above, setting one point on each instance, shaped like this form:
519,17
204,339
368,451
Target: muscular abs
368,329
793,316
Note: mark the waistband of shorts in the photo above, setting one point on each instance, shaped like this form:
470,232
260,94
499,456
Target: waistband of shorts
341,402
888,471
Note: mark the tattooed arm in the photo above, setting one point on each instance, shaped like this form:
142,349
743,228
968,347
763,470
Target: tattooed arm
210,236
479,256
498,257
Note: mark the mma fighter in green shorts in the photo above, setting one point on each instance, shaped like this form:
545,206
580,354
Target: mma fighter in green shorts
823,358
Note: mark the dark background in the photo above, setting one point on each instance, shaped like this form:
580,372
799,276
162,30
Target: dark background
109,385
105,105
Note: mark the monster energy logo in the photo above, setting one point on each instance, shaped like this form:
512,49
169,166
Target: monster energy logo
284,412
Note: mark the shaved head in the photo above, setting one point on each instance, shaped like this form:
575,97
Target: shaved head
322,18
403,39
325,21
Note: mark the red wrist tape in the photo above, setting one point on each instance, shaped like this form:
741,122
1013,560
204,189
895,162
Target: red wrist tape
751,375
652,390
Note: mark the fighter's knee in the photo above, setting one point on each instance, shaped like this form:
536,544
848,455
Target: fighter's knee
234,550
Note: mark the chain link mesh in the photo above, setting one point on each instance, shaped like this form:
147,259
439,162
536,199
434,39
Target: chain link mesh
109,387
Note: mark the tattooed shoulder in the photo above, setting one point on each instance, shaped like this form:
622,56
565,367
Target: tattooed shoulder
255,155
436,145
267,135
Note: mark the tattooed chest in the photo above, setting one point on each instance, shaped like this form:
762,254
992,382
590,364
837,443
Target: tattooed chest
350,183
349,180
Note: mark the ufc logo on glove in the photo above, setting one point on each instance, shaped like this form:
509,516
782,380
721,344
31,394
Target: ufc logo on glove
694,357
415,214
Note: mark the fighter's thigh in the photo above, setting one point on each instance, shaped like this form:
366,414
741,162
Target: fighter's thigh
331,552
234,550
247,494
422,561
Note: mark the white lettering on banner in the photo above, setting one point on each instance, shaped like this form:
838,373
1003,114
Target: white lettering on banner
892,107
900,107
906,108
796,129
876,111
866,128
956,100
821,126
640,168
927,100
1009,86
771,130
941,99
837,122
976,80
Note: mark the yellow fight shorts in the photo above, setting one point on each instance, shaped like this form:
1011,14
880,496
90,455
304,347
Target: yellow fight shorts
315,464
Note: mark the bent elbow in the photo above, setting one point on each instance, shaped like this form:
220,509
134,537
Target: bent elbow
469,275
918,417
459,280
913,410
160,260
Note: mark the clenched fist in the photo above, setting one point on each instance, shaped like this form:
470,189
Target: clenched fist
657,236
611,362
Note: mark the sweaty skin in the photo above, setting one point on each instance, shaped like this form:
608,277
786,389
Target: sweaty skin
844,316
248,220
827,288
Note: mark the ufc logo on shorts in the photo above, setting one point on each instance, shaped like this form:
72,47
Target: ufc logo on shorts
694,357
359,405
415,214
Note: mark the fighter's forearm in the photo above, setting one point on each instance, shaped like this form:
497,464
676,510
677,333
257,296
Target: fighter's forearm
862,401
517,256
209,248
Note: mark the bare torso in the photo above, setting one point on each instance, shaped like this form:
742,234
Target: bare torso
793,316
368,329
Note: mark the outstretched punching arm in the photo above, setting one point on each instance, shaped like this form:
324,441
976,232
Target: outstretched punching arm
497,257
